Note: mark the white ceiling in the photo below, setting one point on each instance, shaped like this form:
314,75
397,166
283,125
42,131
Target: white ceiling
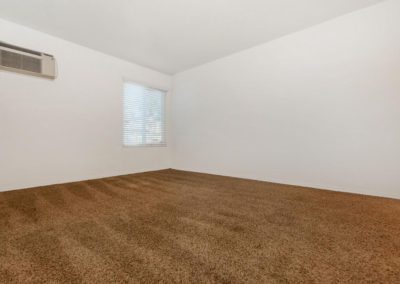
173,35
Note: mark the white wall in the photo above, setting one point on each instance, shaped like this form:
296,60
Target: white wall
318,108
69,129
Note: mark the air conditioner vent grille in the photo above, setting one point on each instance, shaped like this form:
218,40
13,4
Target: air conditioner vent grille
31,64
11,59
20,61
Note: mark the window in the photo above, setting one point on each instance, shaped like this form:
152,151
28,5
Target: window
144,116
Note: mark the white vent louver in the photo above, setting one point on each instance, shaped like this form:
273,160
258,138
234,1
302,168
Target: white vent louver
22,60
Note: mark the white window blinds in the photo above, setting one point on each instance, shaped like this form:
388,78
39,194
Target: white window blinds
144,116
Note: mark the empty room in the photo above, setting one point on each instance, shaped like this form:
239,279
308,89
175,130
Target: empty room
200,141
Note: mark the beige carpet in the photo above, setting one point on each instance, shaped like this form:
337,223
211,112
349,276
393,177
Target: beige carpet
174,226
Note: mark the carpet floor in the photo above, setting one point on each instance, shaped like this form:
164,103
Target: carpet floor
174,226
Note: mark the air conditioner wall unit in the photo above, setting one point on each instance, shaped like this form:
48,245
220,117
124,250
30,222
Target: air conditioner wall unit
18,59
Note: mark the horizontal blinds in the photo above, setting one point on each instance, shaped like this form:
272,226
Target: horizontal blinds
144,116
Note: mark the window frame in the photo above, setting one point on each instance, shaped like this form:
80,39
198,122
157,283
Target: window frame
165,115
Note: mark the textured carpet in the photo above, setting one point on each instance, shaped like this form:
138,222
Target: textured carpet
174,226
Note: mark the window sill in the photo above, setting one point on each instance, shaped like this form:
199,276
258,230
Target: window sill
146,146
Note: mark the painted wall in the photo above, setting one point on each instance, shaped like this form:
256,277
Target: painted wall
318,108
69,129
